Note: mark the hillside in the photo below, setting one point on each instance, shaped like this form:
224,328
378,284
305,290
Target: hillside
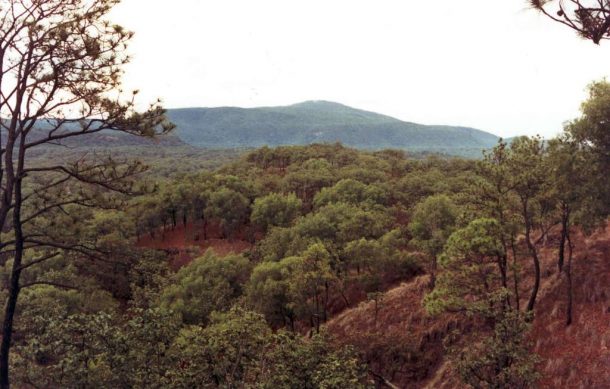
576,356
320,122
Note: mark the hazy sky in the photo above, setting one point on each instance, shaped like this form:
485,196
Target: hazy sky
490,64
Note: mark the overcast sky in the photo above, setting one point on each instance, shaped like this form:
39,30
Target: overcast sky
490,64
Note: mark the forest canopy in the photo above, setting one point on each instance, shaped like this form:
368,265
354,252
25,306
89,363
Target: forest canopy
311,266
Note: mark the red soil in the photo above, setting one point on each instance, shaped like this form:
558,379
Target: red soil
402,323
573,357
185,243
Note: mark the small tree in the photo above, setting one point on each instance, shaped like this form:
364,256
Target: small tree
311,282
503,360
275,210
469,278
433,221
230,207
290,361
224,354
209,283
268,291
470,284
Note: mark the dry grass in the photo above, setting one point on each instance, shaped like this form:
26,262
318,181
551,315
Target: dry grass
573,357
402,343
577,356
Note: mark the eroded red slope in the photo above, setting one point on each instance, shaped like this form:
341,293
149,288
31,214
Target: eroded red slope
573,357
185,243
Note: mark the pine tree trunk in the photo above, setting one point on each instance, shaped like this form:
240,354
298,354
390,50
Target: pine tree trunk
515,275
565,215
534,255
569,276
13,292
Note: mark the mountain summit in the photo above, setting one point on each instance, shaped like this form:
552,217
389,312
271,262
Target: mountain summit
320,122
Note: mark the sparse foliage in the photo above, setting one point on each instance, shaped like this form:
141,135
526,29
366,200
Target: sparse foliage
589,18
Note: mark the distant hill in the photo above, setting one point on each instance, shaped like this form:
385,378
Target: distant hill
320,122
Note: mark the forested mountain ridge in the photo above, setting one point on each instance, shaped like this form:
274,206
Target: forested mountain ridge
320,122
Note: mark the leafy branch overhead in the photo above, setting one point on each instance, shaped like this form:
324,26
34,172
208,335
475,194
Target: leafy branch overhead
590,18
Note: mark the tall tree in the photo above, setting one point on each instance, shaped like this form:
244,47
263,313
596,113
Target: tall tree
494,196
60,78
589,18
579,160
527,167
592,132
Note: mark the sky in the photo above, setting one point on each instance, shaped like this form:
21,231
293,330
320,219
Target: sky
494,65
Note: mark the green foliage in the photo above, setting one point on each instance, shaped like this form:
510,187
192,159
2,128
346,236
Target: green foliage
334,232
275,210
469,280
224,354
351,192
591,131
432,223
148,278
363,253
209,283
93,350
310,282
280,243
228,206
503,360
269,290
293,362
416,186
309,178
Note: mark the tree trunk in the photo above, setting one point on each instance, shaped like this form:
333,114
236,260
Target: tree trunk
569,277
515,275
534,255
565,217
432,283
344,297
13,292
326,298
502,261
317,315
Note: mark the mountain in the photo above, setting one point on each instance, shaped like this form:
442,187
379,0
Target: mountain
319,122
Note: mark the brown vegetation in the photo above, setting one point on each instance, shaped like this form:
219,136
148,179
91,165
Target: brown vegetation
575,356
